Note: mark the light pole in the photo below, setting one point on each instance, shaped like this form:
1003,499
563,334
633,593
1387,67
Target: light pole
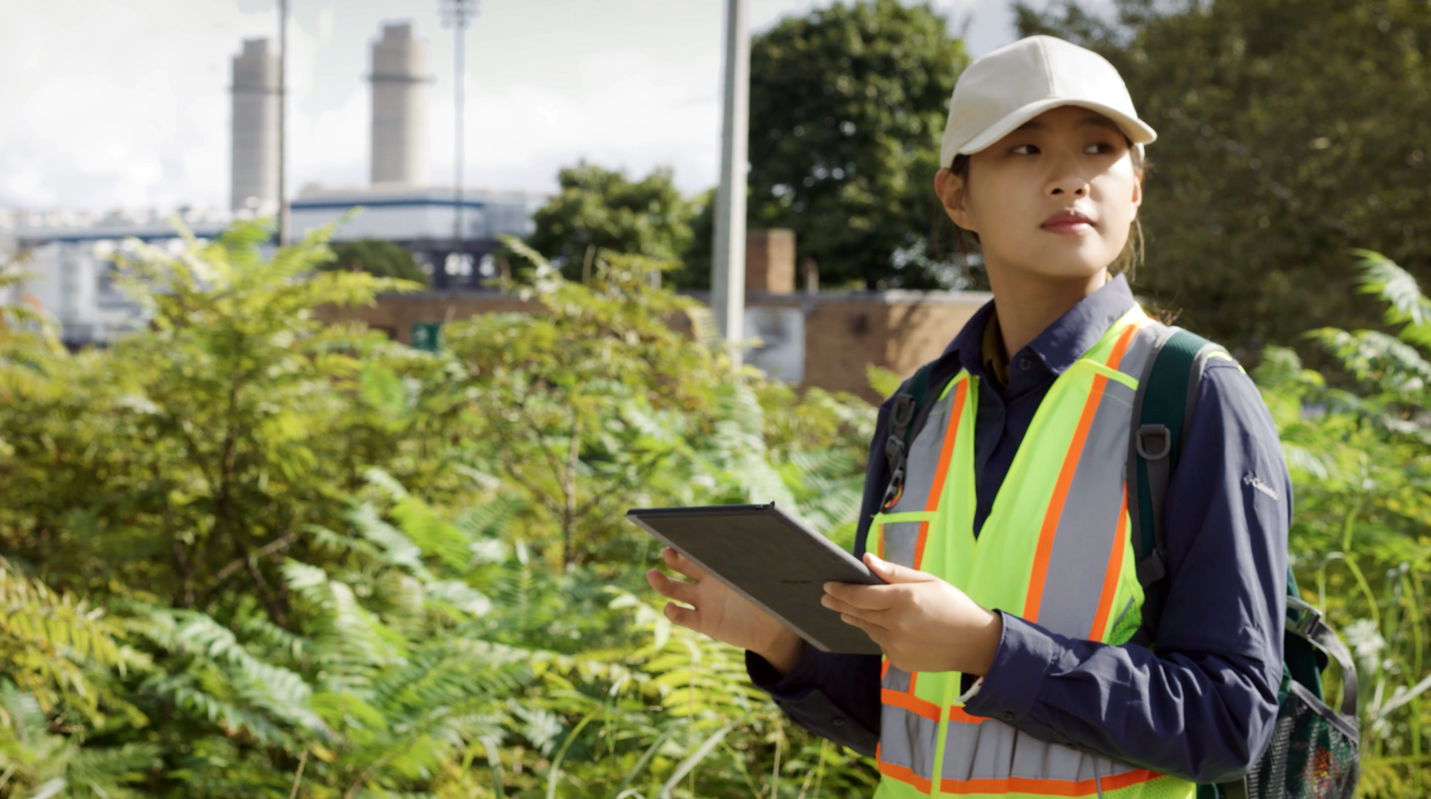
457,14
728,275
282,122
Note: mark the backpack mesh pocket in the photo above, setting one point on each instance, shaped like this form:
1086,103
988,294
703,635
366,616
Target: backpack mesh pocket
1313,753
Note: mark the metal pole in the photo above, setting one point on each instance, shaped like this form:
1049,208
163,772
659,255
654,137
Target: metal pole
459,66
456,14
728,275
282,122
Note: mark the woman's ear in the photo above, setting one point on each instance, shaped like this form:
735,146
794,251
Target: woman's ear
1137,194
951,189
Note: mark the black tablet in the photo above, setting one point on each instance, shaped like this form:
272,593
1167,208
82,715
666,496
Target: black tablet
771,559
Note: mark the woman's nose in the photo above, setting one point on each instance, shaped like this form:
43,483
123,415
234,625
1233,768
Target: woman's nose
1070,184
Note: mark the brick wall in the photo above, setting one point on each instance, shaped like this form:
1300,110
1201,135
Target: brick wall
844,332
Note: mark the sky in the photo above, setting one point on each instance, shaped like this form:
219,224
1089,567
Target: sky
126,104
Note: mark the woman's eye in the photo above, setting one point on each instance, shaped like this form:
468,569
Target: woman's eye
1025,149
1101,148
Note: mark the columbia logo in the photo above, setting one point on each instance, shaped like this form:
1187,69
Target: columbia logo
1251,479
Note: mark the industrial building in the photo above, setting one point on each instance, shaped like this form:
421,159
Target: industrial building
399,130
71,255
254,151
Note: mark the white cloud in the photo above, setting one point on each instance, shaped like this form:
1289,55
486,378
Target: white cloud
127,103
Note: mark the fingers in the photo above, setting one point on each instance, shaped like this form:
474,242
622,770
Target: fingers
895,573
679,590
873,630
864,597
689,618
683,564
841,606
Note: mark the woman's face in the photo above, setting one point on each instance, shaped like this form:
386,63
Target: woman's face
1054,198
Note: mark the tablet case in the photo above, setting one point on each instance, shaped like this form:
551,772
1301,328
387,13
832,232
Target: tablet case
771,559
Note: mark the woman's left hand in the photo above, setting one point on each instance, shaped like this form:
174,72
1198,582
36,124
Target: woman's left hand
921,622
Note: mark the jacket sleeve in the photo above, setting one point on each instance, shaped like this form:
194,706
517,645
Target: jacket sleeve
1201,703
836,696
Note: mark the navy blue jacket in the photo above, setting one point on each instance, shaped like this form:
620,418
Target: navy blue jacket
1201,703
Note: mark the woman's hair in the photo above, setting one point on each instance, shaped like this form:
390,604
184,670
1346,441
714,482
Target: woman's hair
1127,260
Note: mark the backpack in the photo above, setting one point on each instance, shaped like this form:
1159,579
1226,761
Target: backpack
1313,751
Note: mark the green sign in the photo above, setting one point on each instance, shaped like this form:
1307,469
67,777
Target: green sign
426,336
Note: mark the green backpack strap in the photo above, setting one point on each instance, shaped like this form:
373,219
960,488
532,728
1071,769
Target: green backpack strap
1162,410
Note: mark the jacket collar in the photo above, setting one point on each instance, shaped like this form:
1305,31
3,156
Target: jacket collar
1061,343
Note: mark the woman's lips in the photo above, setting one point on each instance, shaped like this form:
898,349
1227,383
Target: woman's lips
1067,223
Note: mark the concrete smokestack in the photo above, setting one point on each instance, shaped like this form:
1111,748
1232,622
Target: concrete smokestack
254,166
399,107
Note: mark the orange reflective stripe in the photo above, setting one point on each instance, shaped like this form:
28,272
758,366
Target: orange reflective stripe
1121,346
946,452
1115,568
946,455
903,774
919,544
910,702
1039,787
957,713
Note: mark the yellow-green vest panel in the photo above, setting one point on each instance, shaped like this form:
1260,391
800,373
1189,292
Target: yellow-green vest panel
1054,550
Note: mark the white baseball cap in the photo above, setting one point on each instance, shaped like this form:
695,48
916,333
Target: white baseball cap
1008,87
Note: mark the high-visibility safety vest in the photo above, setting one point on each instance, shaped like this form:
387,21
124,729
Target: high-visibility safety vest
1055,550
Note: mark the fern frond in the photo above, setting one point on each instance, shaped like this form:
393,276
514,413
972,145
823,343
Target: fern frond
1405,303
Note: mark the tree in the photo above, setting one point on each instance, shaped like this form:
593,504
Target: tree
378,258
1361,533
602,209
847,106
1289,132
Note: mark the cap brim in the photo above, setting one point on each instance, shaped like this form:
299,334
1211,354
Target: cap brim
1136,130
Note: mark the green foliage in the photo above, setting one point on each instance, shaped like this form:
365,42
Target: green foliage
331,566
47,640
336,567
1289,131
1361,537
377,257
185,461
847,105
599,209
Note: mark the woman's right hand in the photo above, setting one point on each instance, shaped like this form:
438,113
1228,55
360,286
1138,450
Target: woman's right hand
723,614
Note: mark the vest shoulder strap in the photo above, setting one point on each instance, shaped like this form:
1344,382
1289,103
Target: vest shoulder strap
908,412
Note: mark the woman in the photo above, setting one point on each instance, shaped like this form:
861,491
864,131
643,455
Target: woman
1011,589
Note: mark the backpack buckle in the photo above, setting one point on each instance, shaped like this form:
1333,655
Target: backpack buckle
895,487
894,450
902,412
1158,435
1308,620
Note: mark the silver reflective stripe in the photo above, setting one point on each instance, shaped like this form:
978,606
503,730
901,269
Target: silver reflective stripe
978,751
923,460
1092,514
895,679
995,750
1136,356
899,542
907,740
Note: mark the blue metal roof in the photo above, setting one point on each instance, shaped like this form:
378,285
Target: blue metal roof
327,204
